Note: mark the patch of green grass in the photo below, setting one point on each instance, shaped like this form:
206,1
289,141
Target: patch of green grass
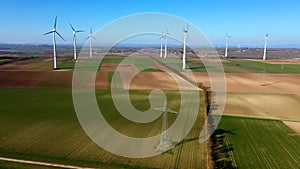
261,143
111,59
244,66
4,61
66,63
142,64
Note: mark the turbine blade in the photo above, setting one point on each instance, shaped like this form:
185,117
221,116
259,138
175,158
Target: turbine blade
94,37
171,111
158,109
72,27
48,32
91,31
79,31
60,35
55,22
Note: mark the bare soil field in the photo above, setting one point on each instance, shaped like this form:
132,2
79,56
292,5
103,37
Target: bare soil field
23,78
277,61
252,82
265,106
208,60
156,80
236,82
293,125
29,65
18,65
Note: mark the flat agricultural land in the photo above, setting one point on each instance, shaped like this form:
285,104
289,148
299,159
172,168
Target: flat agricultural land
38,121
40,124
266,106
278,61
293,125
259,143
244,66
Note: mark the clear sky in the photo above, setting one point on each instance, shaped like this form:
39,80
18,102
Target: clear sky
25,21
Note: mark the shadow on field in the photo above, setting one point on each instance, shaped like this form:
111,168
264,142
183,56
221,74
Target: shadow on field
221,149
271,83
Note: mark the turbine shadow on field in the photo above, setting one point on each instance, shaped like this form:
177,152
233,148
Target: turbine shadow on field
268,84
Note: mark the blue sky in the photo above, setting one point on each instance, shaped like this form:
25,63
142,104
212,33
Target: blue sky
247,21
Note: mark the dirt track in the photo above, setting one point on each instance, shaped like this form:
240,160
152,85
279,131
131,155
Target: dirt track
42,163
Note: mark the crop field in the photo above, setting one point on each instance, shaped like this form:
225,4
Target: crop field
36,124
147,64
267,106
259,143
246,66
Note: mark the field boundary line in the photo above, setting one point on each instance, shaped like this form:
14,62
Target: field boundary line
42,163
177,73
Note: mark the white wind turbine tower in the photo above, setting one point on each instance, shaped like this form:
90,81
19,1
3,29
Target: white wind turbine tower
265,48
91,37
165,143
54,32
226,47
166,42
162,37
185,31
74,40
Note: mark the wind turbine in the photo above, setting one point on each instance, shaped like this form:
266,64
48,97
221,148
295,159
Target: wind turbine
54,32
166,41
165,143
91,37
226,48
74,40
185,31
265,48
161,43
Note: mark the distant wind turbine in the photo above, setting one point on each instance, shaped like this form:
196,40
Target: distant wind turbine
54,32
226,48
162,37
91,37
74,40
166,42
265,48
185,31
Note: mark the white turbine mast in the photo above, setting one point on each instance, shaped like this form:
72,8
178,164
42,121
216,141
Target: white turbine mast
165,143
166,42
74,39
162,37
54,32
265,47
91,37
185,31
226,46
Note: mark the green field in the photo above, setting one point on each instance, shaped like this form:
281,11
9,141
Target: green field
245,66
40,124
261,143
